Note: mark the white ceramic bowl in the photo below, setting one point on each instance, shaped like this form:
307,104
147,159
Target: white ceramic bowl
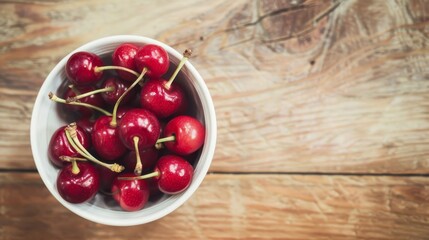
46,119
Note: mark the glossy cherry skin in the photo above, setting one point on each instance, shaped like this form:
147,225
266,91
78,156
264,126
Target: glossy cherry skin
94,99
139,123
154,58
162,101
80,187
120,87
106,140
123,56
60,146
175,174
148,156
132,195
80,68
189,134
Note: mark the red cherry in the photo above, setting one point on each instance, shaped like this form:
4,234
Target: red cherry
160,100
94,99
132,195
154,58
78,187
71,134
123,56
60,146
175,174
119,87
80,68
188,135
148,156
106,140
163,98
139,123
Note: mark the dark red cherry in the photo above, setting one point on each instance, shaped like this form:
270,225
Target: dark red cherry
154,58
94,99
106,140
87,124
119,86
188,132
107,177
78,186
80,68
60,146
154,192
132,195
160,100
175,174
139,123
123,56
183,108
164,98
148,156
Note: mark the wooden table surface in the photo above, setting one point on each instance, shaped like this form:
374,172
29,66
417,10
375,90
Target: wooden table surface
322,110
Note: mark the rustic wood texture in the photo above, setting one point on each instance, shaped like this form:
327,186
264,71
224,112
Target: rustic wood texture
240,207
298,86
322,109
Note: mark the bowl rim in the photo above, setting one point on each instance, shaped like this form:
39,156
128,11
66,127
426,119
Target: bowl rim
210,127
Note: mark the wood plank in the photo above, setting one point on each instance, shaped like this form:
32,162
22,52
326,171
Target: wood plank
240,207
298,86
351,100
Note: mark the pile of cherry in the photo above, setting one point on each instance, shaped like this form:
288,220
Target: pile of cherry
131,136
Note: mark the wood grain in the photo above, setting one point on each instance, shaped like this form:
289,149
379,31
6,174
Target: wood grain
298,86
240,207
323,105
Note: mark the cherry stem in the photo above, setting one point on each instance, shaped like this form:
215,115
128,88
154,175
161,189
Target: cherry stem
138,168
70,159
80,96
75,168
159,146
186,55
71,135
146,176
99,69
114,123
57,99
166,139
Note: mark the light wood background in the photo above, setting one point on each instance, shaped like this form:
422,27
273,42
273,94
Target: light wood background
322,109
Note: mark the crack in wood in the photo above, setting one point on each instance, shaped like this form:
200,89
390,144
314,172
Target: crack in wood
310,25
270,14
238,43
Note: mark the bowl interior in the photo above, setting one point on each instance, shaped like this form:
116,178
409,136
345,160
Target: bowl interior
46,119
